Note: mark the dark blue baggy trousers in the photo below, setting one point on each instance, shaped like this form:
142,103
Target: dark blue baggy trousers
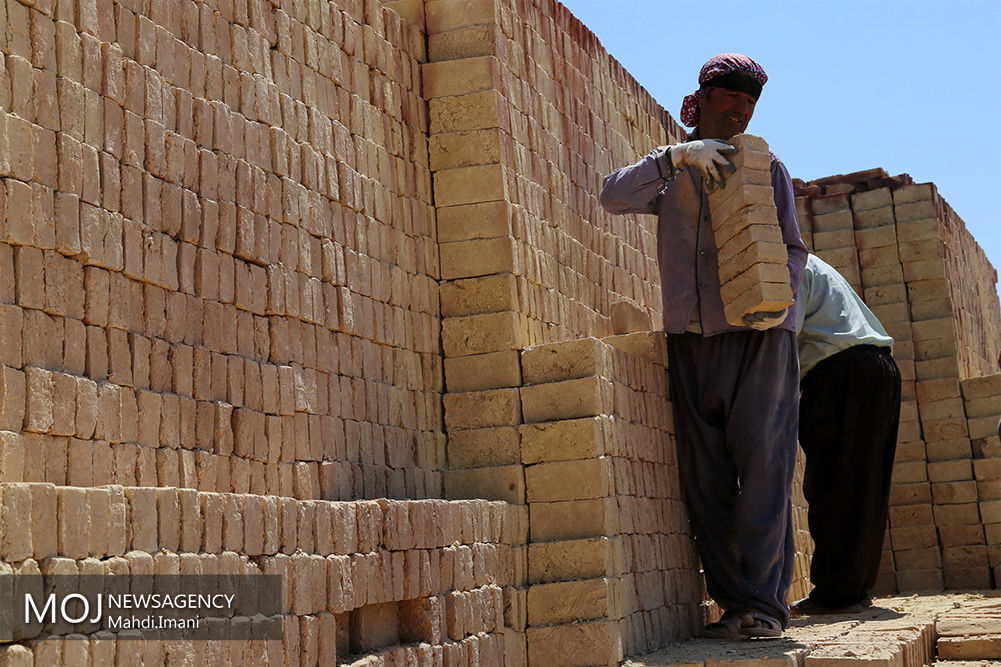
736,409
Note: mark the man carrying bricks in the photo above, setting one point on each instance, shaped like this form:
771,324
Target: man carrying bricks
848,416
734,389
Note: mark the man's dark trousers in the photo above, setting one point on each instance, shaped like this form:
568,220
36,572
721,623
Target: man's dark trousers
735,417
849,413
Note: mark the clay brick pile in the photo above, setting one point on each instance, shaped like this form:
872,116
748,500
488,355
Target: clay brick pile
753,261
217,248
922,274
612,571
391,579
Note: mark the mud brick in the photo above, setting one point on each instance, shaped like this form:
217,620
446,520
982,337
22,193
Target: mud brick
485,294
479,334
479,409
483,447
591,643
483,371
16,535
748,195
572,519
587,357
470,185
474,221
990,511
563,440
987,469
876,237
965,556
469,147
569,399
763,253
744,177
13,394
913,537
760,297
505,483
11,457
750,235
910,515
917,559
44,534
950,471
938,390
73,522
469,75
954,536
569,480
947,450
569,601
953,515
40,387
142,508
478,257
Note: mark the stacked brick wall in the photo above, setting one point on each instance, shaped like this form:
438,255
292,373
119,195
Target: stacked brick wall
397,580
917,267
217,249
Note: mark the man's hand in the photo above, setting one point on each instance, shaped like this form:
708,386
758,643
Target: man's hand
709,155
764,321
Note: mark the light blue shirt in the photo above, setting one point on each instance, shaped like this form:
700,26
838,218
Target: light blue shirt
831,317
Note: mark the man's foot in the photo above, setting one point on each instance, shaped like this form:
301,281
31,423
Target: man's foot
727,627
810,607
760,625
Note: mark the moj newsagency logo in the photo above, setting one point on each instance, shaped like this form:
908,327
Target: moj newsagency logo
141,606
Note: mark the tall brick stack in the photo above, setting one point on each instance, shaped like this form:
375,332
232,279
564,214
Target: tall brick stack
611,566
753,262
918,269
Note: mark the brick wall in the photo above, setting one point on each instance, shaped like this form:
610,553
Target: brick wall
911,258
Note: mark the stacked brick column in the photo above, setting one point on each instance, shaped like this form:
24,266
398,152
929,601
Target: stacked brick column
913,262
611,567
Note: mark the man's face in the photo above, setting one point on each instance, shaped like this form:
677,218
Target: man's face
724,113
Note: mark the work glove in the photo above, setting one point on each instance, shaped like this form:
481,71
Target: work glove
709,155
764,321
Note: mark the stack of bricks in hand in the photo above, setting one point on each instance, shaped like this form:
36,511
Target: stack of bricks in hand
752,255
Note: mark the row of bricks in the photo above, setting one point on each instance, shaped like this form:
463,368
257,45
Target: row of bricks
232,241
985,471
112,520
168,355
631,482
565,400
943,451
87,463
948,557
61,404
294,215
108,299
354,172
35,393
569,399
305,640
564,440
309,585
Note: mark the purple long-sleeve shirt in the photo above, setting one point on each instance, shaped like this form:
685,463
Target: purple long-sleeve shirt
687,253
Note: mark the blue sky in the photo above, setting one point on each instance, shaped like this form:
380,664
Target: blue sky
913,87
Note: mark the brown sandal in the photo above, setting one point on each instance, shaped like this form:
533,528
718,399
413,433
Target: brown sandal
759,624
727,627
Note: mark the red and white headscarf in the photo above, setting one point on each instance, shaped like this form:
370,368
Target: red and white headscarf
713,75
